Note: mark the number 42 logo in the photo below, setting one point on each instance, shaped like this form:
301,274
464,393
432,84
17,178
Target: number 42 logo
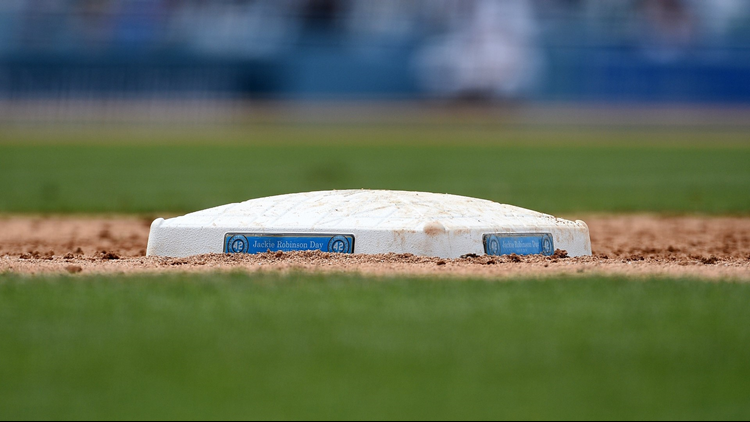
340,244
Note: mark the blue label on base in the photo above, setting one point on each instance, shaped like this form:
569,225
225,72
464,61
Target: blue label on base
519,244
257,243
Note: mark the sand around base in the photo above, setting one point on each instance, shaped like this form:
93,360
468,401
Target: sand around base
712,248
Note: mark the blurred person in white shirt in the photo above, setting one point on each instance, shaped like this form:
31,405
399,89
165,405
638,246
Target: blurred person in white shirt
488,51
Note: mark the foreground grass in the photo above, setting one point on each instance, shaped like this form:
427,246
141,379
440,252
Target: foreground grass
557,172
269,346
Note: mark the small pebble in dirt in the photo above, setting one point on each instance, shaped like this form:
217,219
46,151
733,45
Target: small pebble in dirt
515,258
110,256
710,261
73,269
69,256
279,254
560,254
442,263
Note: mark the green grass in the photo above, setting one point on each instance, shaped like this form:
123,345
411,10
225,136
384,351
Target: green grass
270,346
117,171
288,347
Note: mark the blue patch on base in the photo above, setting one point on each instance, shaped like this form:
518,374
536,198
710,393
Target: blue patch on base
519,244
257,243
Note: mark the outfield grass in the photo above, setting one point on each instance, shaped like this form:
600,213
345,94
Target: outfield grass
177,171
288,347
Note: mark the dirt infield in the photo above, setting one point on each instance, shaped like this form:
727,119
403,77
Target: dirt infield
640,245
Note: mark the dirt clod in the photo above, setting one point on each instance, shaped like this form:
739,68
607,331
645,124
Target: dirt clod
73,269
560,254
109,256
710,261
514,258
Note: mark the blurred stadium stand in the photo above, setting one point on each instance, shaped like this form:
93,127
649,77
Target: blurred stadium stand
203,51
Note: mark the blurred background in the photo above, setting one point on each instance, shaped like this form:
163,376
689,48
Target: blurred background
210,58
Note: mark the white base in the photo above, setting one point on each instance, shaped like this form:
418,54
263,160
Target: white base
425,224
